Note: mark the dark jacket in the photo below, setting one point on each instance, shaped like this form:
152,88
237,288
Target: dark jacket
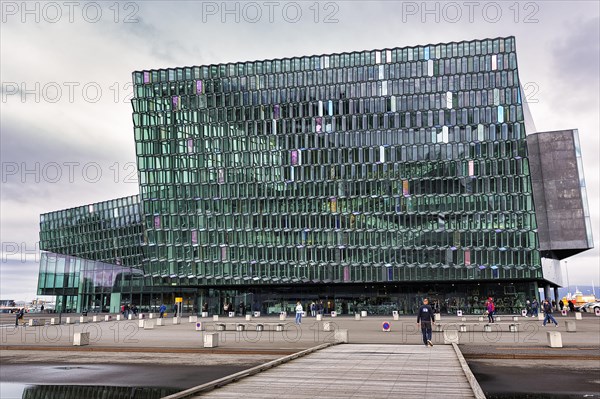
547,307
425,314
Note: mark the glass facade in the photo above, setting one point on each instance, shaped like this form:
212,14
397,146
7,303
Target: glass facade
366,178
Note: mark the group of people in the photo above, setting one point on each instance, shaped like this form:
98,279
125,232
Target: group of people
531,308
426,316
127,309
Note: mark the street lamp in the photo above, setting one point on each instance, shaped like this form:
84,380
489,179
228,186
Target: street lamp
568,284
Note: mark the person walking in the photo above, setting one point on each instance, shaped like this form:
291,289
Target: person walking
299,311
19,316
547,308
425,319
162,311
527,308
490,308
313,309
534,308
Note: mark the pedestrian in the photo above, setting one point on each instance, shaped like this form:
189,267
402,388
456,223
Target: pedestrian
534,308
425,319
42,308
561,304
571,306
19,316
299,311
547,308
313,308
205,307
242,309
528,308
491,309
320,307
162,311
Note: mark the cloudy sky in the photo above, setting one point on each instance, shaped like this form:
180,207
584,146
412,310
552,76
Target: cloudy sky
66,125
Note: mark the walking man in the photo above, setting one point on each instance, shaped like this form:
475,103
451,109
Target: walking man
547,308
425,319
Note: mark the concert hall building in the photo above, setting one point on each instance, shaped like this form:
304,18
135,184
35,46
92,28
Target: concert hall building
366,180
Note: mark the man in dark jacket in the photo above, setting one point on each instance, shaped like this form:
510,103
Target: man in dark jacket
425,318
547,307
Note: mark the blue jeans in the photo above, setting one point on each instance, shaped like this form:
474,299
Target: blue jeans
298,317
426,331
551,318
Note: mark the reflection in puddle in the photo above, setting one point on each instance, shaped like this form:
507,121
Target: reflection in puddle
25,391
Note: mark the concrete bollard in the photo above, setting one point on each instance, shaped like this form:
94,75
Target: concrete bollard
256,314
513,328
327,326
260,327
231,314
459,313
564,312
220,327
523,312
176,320
363,313
341,336
396,315
81,338
571,326
498,318
204,314
540,316
95,319
554,339
463,319
577,316
319,317
141,316
211,340
438,316
130,317
36,322
193,319
119,317
160,322
240,327
282,316
216,317
487,328
150,315
141,323
248,317
148,324
356,316
69,321
515,318
53,321
438,327
279,327
199,326
334,314
463,328
480,318
451,336
82,319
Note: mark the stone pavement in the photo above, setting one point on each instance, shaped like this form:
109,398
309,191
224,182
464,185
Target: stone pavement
113,343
